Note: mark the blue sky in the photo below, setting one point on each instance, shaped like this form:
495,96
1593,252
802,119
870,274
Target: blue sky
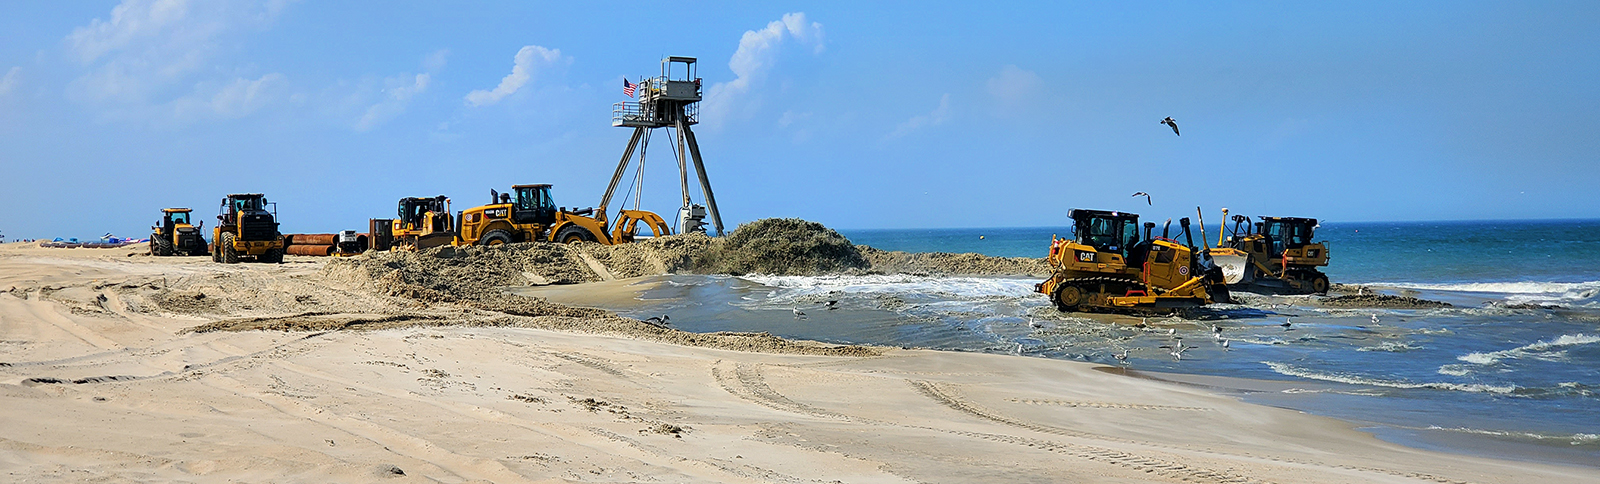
853,114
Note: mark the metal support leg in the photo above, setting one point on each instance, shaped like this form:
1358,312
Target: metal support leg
683,161
627,156
705,184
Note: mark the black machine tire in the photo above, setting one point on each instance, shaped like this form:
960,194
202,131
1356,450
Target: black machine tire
272,256
1319,284
495,237
159,245
216,253
225,247
573,234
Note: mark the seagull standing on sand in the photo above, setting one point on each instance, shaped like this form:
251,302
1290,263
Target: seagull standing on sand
1173,123
1034,325
662,320
798,314
832,304
1216,331
1146,197
1286,324
1374,319
1122,358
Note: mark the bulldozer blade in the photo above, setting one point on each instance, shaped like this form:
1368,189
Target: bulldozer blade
1233,267
435,239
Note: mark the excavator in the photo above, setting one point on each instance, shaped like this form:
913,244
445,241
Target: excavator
1276,257
528,214
1108,267
423,223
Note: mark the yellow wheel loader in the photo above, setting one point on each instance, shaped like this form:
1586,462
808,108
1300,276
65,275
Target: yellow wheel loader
531,215
174,235
1107,266
246,229
1275,256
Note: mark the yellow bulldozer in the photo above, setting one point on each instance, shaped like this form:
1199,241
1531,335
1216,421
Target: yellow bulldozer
1107,266
423,223
247,229
529,214
1275,255
175,235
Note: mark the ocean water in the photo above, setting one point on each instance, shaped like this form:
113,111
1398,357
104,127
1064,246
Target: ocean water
1476,377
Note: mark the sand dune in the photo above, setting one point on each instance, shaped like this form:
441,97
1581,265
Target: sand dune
121,367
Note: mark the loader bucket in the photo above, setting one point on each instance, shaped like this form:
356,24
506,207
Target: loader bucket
1232,265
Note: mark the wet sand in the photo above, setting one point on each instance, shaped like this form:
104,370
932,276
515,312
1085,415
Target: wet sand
105,375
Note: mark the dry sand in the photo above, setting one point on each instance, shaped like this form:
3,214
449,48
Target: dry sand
408,367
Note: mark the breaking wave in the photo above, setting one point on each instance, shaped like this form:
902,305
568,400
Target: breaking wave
1546,350
1516,291
958,287
1291,370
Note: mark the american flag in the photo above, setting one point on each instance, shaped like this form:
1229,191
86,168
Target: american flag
627,87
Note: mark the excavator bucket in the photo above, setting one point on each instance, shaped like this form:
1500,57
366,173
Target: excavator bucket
1233,264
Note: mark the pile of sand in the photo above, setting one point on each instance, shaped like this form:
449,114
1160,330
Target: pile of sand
785,247
1380,301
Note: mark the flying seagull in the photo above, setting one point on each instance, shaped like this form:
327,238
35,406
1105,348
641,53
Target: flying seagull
1173,123
1176,351
1146,197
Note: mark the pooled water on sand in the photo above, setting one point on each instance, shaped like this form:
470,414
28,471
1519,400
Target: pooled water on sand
1476,377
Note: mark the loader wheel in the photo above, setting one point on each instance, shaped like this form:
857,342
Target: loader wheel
496,237
272,256
573,234
229,254
1319,284
1067,297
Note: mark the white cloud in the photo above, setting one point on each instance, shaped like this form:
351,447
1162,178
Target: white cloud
397,95
435,62
937,117
154,56
10,80
752,61
1014,88
527,62
244,96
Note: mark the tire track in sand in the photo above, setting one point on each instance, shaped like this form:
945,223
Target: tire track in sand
746,382
950,399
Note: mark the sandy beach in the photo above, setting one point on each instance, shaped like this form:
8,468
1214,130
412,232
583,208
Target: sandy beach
117,366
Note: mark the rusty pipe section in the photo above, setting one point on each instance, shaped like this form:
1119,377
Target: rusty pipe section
307,249
311,239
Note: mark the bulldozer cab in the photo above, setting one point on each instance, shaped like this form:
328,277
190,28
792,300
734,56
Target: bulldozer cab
1286,233
533,205
413,210
1114,232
